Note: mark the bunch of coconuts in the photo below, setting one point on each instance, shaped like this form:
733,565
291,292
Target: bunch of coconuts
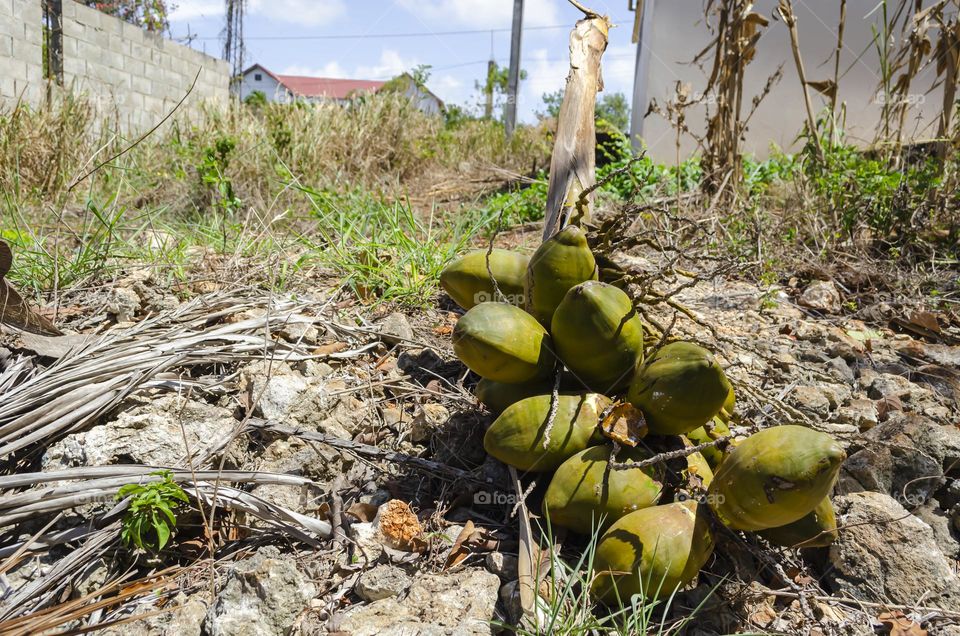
550,324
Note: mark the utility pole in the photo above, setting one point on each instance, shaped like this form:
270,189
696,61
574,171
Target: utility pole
53,39
488,89
513,79
642,36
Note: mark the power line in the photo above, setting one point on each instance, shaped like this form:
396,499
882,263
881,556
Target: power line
364,36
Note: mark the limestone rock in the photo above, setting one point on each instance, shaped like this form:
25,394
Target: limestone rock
150,433
903,457
503,565
262,596
885,554
811,400
430,419
460,603
396,329
382,581
821,295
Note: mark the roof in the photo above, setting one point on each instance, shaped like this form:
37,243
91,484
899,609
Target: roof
328,87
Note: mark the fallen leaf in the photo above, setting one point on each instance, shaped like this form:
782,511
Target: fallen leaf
53,346
624,424
330,347
363,512
460,551
897,623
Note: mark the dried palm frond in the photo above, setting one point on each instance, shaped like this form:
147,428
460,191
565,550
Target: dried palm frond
92,379
33,499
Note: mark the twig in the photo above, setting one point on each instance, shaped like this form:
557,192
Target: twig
77,182
554,405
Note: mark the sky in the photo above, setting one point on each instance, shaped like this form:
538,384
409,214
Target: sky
293,37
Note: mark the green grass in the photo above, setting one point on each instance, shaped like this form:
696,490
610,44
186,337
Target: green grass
570,608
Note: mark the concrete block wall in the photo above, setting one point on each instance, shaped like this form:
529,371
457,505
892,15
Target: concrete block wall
131,76
21,52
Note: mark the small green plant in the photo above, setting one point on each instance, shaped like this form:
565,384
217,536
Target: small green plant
212,171
151,517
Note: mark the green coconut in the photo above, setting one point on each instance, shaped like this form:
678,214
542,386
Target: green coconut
679,389
708,433
598,335
467,281
817,529
516,437
652,552
561,262
775,477
503,343
584,490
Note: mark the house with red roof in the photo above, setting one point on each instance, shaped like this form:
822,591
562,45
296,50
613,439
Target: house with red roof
289,88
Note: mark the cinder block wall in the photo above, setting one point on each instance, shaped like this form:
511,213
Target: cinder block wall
21,52
132,77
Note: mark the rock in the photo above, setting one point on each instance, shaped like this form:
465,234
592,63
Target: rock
183,616
395,329
861,413
840,369
811,400
276,386
295,457
368,545
150,433
904,457
939,521
884,554
510,600
429,419
947,355
461,603
382,581
262,596
311,402
123,303
503,565
884,385
821,295
300,332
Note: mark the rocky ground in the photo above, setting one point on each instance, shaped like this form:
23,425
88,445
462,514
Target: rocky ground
370,412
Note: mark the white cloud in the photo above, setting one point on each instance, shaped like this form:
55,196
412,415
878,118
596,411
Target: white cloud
330,69
305,12
391,64
192,9
488,14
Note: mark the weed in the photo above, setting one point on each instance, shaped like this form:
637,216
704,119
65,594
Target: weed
151,517
568,606
382,250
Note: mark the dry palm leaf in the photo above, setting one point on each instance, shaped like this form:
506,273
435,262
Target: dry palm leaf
89,381
14,311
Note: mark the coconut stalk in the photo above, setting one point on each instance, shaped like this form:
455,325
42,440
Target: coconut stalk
573,163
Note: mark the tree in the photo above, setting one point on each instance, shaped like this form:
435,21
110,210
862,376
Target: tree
612,107
151,15
495,85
